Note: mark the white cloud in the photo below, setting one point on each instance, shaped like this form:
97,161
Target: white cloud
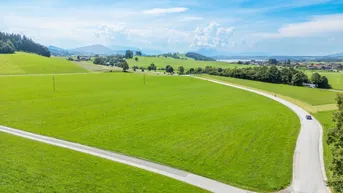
318,26
213,36
158,11
192,18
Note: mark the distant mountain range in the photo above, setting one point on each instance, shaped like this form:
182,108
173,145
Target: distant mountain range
220,55
87,50
208,52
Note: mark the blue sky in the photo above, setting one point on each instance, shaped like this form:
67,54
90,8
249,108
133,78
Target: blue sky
278,27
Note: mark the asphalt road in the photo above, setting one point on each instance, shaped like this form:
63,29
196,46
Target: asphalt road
308,164
308,167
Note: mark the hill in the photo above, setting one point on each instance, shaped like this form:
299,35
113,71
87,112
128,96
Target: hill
25,63
336,55
56,51
9,43
200,57
94,49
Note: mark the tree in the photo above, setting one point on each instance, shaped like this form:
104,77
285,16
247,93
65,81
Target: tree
135,68
316,79
273,61
138,53
128,54
97,60
191,71
6,47
335,139
136,59
274,75
288,61
324,82
286,76
181,70
152,67
124,65
297,80
169,69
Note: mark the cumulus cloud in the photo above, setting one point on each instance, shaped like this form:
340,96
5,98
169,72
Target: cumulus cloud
213,36
158,11
318,26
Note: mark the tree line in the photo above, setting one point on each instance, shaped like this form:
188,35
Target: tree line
272,74
335,140
9,43
117,60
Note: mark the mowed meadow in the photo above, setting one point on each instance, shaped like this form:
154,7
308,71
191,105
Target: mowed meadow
30,166
25,63
312,100
223,133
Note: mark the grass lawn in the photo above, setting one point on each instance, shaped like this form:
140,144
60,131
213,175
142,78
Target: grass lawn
307,95
224,133
30,166
325,119
335,78
162,62
25,63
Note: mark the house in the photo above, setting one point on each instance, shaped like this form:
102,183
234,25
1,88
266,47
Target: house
310,85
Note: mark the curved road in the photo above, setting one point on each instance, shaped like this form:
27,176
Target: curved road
308,166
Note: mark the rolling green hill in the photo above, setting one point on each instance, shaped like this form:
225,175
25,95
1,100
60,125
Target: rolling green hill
219,132
25,63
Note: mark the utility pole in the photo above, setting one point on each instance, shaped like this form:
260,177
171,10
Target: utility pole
53,83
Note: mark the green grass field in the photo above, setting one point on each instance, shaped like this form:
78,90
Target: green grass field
325,119
335,78
30,166
307,95
227,134
162,62
25,63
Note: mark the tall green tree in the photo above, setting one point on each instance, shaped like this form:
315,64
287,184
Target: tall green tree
152,67
324,82
274,74
335,139
315,78
124,65
181,70
169,69
128,54
273,61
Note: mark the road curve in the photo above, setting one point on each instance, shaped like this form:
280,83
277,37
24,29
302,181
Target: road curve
308,165
308,168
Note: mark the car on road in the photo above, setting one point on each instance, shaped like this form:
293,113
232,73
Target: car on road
308,117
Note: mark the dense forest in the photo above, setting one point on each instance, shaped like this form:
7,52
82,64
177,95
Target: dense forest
9,43
272,74
197,56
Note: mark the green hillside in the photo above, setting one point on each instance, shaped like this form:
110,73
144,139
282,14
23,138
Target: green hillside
25,63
